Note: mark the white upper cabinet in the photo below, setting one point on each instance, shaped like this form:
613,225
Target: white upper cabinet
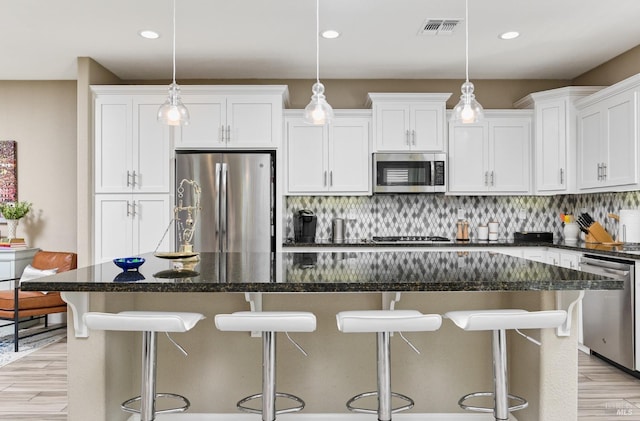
331,160
608,138
132,151
555,137
409,122
232,117
491,157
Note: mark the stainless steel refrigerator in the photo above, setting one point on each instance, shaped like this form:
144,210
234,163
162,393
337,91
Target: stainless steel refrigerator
237,200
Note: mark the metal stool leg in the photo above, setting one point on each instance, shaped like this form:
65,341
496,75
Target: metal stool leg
501,389
148,386
384,376
268,376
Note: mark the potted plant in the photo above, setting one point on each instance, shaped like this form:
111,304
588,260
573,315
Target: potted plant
13,212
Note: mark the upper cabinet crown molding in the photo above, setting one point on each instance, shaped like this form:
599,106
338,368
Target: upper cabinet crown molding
406,97
627,84
568,92
279,90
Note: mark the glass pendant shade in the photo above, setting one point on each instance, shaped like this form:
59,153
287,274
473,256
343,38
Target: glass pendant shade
173,112
318,112
468,110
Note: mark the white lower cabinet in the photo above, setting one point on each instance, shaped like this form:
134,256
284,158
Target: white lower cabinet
128,225
329,160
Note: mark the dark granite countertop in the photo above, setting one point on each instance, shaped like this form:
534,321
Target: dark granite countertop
349,271
615,251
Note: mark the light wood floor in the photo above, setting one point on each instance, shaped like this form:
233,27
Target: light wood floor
35,388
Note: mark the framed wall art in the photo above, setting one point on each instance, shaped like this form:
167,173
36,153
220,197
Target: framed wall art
8,171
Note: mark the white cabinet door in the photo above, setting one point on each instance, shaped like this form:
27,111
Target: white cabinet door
151,150
589,149
306,157
253,121
551,146
509,152
349,157
621,140
113,143
113,227
468,158
207,122
131,148
427,125
231,121
151,219
126,225
392,127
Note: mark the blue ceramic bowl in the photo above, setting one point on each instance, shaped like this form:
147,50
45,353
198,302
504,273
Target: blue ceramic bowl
129,263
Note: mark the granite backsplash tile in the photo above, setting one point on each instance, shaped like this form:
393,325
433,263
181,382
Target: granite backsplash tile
437,214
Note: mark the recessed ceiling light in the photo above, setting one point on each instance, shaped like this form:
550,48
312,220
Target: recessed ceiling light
509,35
330,34
149,34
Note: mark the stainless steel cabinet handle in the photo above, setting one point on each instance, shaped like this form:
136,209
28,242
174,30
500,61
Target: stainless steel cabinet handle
599,172
408,137
128,208
604,171
221,136
134,179
561,176
324,183
413,135
493,178
486,178
228,133
331,178
128,180
133,209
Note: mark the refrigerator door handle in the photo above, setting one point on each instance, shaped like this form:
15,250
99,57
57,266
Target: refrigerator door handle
216,205
223,209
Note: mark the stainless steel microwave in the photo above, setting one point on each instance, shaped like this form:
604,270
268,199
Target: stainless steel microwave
409,172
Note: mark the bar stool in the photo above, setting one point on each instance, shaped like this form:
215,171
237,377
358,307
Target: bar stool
269,323
383,323
499,321
150,323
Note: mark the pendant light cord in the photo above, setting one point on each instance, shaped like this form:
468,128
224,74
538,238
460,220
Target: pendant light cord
174,41
318,41
466,37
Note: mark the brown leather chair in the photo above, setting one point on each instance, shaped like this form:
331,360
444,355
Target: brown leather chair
35,304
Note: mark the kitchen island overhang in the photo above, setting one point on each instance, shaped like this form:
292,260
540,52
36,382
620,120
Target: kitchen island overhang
330,272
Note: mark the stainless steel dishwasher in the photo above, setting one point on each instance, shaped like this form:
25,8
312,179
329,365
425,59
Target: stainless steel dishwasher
609,316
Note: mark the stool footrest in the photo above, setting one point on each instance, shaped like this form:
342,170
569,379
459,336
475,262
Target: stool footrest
521,405
186,404
241,402
352,408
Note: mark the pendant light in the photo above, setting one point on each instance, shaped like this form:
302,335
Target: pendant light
173,112
468,109
318,112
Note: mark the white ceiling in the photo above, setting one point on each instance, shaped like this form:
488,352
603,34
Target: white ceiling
561,39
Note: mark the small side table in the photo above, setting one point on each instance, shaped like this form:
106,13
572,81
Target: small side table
12,263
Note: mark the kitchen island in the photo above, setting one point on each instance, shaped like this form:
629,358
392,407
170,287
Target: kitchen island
223,367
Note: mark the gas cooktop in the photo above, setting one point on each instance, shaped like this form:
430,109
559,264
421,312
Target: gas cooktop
410,239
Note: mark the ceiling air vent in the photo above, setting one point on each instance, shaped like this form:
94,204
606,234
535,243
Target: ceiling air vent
439,26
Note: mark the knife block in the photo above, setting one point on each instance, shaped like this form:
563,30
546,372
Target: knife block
597,234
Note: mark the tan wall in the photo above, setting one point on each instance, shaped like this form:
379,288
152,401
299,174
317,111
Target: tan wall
613,71
41,117
348,93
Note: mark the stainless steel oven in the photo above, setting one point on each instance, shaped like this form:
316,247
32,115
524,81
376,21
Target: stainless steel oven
609,317
409,173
